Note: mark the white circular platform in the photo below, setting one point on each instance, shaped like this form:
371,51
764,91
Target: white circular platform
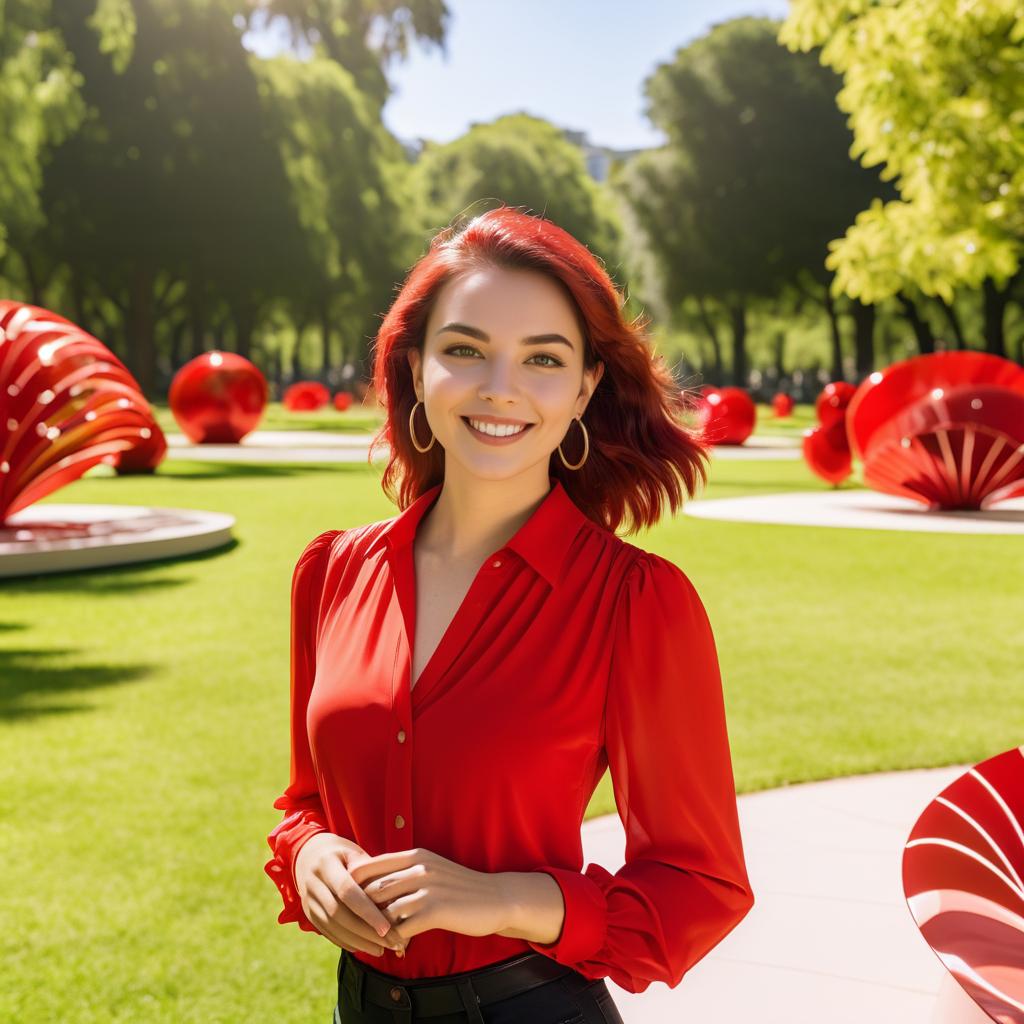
328,446
46,538
858,509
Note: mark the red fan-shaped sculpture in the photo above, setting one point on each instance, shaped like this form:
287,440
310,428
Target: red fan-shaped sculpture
945,429
145,456
726,415
68,403
218,397
305,395
782,405
963,876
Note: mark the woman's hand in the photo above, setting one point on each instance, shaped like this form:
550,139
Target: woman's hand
334,902
418,890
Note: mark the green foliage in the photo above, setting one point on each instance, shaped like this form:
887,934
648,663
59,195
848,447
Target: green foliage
521,161
935,93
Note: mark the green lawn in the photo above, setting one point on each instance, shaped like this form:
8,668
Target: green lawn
145,720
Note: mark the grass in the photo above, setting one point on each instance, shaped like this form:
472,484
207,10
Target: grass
145,719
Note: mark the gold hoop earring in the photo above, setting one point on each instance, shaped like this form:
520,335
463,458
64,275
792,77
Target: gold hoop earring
412,431
586,446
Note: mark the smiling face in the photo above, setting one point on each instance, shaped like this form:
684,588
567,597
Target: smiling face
502,347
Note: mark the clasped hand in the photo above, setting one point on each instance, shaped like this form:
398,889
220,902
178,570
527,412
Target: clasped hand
417,890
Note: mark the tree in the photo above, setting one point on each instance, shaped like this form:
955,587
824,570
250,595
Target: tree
934,93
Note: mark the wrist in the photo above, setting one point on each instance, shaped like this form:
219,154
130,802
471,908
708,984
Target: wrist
533,906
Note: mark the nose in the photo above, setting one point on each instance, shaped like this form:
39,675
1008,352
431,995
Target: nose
499,383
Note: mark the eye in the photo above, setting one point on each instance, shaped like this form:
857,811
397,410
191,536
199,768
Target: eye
555,361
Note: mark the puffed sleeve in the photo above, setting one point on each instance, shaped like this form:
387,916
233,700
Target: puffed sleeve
684,885
304,813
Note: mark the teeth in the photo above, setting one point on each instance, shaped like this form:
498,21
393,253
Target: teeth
496,429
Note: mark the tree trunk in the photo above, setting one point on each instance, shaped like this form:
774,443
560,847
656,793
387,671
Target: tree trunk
995,310
738,319
139,327
716,346
325,340
922,332
244,323
837,372
949,310
864,336
780,350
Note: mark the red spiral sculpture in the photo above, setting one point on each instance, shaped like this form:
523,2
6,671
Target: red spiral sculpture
217,398
945,429
726,415
67,403
305,395
963,877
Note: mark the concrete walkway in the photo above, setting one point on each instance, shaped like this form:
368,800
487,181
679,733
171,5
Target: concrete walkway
830,939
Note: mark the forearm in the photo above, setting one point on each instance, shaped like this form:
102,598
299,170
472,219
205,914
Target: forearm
535,908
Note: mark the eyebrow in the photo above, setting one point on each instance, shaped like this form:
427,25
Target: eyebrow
475,332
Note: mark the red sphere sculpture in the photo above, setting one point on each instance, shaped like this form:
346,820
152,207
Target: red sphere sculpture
831,404
217,398
68,404
343,400
726,415
827,452
945,429
782,405
305,395
963,877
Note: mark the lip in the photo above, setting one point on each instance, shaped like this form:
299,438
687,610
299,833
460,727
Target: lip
489,439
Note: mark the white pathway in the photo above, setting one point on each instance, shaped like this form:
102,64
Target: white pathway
830,939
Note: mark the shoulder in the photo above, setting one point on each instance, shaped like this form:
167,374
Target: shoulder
655,588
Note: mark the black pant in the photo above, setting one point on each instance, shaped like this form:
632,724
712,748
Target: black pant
568,999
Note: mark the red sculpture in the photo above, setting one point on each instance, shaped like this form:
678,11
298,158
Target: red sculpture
827,452
825,447
726,415
962,876
343,400
782,405
305,395
945,429
68,404
217,398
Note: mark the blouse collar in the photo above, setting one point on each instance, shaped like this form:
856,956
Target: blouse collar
543,540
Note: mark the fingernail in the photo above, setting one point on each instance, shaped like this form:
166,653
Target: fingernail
383,929
399,952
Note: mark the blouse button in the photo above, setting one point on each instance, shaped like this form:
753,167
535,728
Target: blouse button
399,821
396,994
496,563
401,735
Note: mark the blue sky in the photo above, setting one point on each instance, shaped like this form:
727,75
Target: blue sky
580,64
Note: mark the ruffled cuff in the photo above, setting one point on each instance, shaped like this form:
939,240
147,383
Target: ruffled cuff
285,841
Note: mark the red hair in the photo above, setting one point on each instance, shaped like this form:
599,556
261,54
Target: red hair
642,454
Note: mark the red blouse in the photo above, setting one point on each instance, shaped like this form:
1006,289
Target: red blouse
572,652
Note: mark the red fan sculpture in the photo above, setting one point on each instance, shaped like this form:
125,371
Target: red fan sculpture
945,429
218,398
726,415
305,395
68,404
782,405
826,448
343,400
962,877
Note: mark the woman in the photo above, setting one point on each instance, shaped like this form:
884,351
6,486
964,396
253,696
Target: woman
464,672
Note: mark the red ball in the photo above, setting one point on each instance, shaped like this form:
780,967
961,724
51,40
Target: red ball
217,398
832,402
727,415
782,404
343,400
305,395
827,452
